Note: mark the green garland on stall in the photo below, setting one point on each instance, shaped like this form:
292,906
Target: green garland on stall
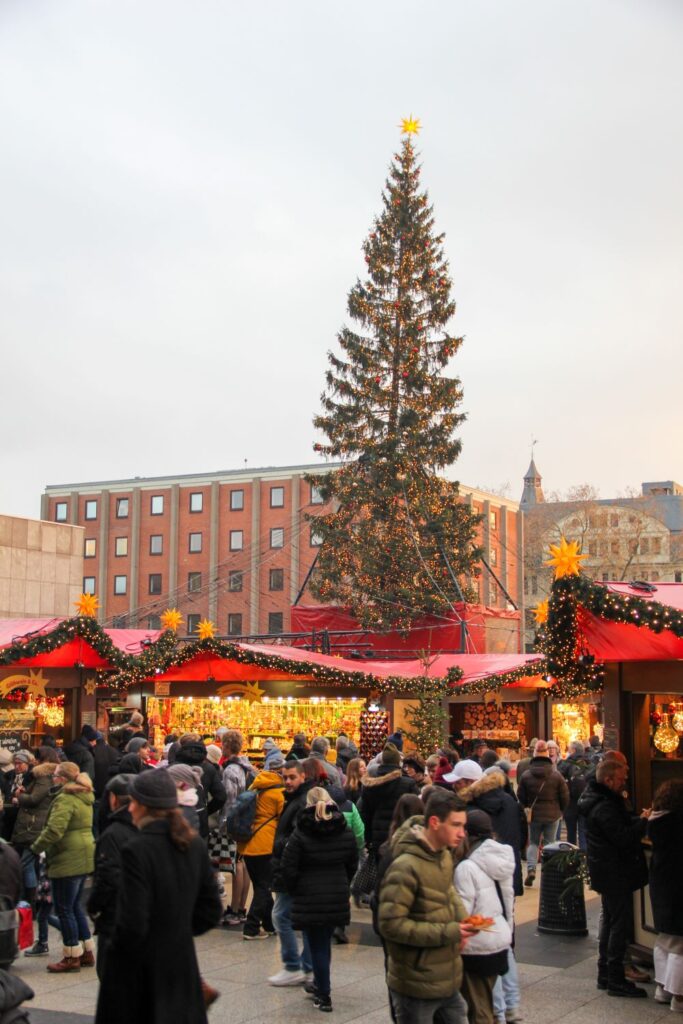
496,682
166,653
80,626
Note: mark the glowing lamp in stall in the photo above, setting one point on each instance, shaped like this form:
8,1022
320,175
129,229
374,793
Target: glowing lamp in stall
373,707
677,720
665,738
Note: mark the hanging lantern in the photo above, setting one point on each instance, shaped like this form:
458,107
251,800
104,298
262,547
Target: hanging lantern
677,720
666,739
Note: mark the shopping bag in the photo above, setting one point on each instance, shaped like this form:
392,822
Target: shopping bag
25,927
222,851
365,879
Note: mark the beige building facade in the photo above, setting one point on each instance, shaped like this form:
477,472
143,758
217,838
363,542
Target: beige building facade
41,568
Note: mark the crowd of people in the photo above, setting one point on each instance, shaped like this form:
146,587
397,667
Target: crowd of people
434,847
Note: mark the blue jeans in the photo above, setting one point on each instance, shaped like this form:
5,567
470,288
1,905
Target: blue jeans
45,917
289,945
66,893
575,822
506,994
408,1010
549,831
320,945
29,868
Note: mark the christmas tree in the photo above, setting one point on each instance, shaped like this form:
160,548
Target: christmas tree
399,544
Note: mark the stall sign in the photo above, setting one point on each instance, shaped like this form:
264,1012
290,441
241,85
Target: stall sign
162,688
14,741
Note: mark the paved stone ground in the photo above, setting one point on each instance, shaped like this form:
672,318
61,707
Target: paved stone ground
557,974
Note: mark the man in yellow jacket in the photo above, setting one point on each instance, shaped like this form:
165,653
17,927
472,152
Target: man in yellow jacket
258,850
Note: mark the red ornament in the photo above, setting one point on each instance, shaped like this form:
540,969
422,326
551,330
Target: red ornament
415,350
405,373
378,380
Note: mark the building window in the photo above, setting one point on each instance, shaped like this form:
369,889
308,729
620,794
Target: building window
493,593
157,505
196,501
91,509
316,495
277,497
276,579
493,520
194,582
592,547
614,522
60,512
678,577
526,585
236,540
156,544
277,537
234,624
316,539
614,547
155,583
275,622
605,577
122,508
644,545
195,543
192,623
88,584
654,578
121,547
493,557
656,545
235,580
534,584
236,501
120,585
90,548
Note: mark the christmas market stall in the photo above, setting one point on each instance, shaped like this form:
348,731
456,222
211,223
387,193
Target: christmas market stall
48,674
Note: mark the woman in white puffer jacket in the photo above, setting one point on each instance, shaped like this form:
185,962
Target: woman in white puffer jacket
484,881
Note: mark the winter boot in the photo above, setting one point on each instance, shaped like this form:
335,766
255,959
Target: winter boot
87,958
209,993
70,962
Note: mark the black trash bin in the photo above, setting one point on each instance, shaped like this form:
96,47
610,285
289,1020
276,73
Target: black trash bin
562,907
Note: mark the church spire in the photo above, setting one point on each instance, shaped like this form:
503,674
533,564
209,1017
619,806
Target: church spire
533,492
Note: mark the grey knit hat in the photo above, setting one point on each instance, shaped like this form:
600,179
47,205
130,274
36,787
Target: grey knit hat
136,744
185,774
154,789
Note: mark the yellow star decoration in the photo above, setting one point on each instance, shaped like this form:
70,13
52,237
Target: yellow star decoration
90,686
565,558
410,125
172,619
205,629
541,613
87,604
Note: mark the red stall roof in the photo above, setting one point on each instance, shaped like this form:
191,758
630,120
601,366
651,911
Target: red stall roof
626,641
76,649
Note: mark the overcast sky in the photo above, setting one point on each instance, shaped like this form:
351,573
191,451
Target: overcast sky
185,187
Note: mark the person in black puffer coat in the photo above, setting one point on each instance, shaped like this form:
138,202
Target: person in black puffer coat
507,817
107,877
194,752
317,866
380,795
616,864
81,751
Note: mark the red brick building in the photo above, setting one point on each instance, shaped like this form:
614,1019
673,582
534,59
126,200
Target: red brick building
233,547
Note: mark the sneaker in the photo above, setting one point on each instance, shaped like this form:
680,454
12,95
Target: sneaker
661,995
41,949
231,920
285,977
530,878
209,993
677,1004
310,989
323,1003
633,973
514,1016
242,914
252,938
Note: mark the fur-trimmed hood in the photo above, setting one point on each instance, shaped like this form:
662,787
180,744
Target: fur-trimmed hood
380,780
40,770
486,784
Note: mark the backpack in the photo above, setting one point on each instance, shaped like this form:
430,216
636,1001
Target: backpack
578,779
239,821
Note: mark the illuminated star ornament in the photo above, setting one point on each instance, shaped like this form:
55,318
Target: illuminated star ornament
205,629
87,604
410,125
541,613
565,558
172,619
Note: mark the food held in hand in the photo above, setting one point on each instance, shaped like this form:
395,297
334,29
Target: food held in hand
477,922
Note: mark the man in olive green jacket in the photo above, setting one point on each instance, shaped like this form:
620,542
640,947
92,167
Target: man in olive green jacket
419,915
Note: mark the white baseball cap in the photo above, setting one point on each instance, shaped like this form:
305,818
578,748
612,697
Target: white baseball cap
467,769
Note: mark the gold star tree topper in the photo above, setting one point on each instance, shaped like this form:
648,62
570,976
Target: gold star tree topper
87,604
410,125
541,613
205,629
565,558
172,619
